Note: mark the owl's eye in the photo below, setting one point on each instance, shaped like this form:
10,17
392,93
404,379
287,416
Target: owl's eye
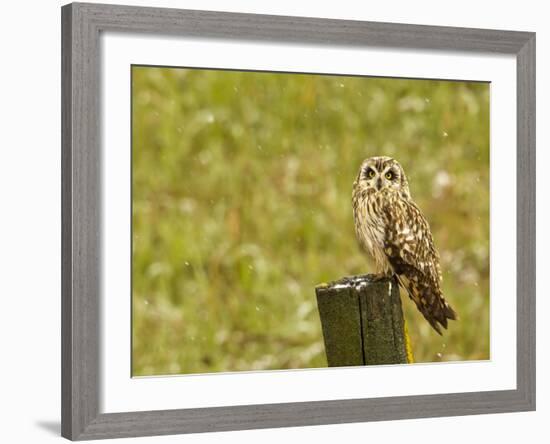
369,173
389,175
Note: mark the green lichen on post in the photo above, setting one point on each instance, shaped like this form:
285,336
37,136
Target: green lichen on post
362,322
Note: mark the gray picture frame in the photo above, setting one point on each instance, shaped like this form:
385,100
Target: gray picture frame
81,231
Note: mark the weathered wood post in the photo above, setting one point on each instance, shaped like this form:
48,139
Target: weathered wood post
362,322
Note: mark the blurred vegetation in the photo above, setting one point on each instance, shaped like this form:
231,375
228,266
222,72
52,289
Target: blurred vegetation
241,205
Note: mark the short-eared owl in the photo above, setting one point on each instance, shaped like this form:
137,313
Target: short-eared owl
391,227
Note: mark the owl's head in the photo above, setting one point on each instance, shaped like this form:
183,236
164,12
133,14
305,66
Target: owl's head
383,173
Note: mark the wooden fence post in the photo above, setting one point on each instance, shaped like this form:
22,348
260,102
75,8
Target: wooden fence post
362,322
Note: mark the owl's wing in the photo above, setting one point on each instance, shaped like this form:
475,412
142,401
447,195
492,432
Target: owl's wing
409,239
410,249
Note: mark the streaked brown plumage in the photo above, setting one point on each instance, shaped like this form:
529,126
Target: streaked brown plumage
393,230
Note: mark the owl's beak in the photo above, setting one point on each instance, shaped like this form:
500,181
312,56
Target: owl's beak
378,184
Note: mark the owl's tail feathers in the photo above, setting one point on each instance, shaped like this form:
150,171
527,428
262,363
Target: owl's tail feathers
436,310
430,302
441,312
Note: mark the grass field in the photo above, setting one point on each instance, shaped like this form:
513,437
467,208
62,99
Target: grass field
242,204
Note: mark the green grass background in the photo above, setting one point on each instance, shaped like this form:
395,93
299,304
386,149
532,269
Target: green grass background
241,205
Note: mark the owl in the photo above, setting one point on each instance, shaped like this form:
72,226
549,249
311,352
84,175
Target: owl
393,230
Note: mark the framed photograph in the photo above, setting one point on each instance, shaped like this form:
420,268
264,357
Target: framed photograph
278,221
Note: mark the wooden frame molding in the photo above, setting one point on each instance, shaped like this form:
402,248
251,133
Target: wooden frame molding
81,233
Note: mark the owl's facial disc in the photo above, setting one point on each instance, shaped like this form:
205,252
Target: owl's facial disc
383,173
378,180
